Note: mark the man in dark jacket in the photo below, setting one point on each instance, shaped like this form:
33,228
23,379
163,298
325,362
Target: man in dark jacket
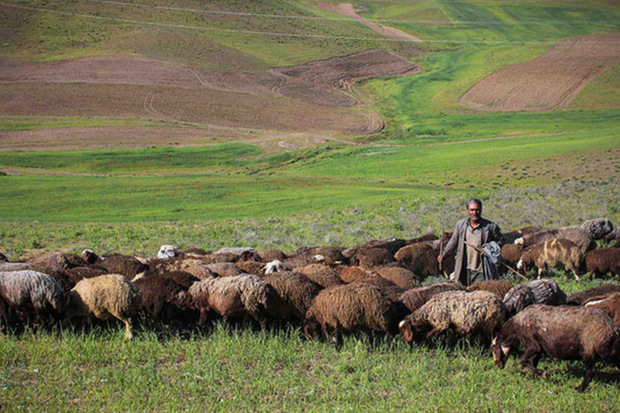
469,235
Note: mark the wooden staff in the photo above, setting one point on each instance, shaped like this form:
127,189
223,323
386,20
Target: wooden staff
503,262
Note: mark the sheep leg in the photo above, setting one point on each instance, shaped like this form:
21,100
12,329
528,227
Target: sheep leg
534,354
203,316
590,372
128,328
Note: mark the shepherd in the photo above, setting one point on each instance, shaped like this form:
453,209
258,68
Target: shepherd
478,246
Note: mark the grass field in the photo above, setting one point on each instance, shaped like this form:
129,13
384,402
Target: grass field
231,187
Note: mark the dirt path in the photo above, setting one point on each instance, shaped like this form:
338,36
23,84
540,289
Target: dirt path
346,9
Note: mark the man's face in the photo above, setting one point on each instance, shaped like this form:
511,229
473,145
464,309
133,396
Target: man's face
475,211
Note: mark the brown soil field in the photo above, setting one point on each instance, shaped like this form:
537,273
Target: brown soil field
313,102
548,82
347,10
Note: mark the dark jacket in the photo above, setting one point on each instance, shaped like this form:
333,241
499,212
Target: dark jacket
490,232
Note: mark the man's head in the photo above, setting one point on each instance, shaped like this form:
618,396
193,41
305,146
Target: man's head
474,209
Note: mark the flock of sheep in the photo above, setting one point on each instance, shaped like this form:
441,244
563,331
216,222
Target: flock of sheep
328,291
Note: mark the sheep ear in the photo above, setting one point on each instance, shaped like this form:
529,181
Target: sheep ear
505,350
407,331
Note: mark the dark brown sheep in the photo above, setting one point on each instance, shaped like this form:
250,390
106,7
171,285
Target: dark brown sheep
421,259
354,273
371,257
224,269
564,332
417,297
295,295
610,304
55,261
512,236
271,255
600,291
603,261
511,253
251,267
124,265
391,245
497,287
534,292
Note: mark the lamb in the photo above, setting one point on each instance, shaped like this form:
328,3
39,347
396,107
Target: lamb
295,294
602,261
417,297
600,291
31,293
469,313
534,292
105,297
564,332
357,307
497,287
610,304
555,253
237,296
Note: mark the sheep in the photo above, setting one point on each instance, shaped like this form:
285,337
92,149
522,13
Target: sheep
391,245
55,261
564,332
274,266
602,261
197,267
251,267
15,266
511,253
321,274
31,293
417,297
390,289
78,273
600,291
421,259
512,236
399,276
223,269
354,273
193,251
165,297
534,292
167,251
575,234
105,297
555,253
371,257
331,255
497,287
597,228
295,294
468,313
273,254
237,296
116,263
357,307
610,304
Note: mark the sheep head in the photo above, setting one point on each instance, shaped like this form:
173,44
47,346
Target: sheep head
500,353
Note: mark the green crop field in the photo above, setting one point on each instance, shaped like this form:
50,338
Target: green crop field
237,186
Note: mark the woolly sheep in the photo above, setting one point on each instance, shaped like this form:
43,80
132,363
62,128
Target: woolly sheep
421,259
349,274
610,304
321,274
534,292
399,276
600,291
555,253
417,297
497,287
357,307
468,313
125,265
602,261
564,332
371,257
31,293
104,297
575,234
295,294
237,296
597,228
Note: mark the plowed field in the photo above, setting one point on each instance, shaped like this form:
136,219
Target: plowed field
548,82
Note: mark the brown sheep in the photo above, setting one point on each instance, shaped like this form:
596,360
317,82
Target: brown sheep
232,297
598,228
600,291
603,261
116,263
271,255
295,294
399,276
421,259
417,297
468,313
55,261
321,274
104,297
224,269
556,253
534,292
350,274
251,267
391,245
371,257
331,255
512,236
511,253
357,307
610,304
497,287
564,332
575,234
